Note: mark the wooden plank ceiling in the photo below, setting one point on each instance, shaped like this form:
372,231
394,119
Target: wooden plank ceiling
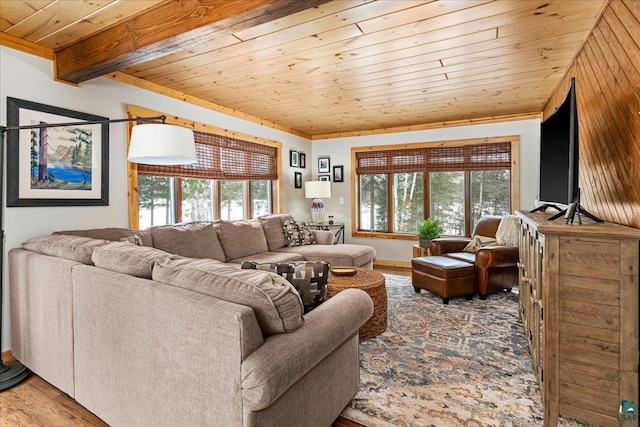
322,68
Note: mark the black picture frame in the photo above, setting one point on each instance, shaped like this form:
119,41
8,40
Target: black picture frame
294,159
324,178
81,181
338,173
297,179
303,160
324,165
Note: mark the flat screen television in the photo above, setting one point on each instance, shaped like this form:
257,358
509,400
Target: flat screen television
559,154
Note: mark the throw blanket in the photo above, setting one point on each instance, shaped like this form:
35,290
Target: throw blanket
508,231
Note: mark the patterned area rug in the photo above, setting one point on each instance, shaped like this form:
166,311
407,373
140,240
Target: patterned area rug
462,364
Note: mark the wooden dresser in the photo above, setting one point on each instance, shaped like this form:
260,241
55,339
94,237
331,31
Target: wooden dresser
579,306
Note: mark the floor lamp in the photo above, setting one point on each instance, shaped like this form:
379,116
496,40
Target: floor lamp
150,143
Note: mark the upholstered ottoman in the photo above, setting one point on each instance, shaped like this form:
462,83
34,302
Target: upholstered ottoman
445,277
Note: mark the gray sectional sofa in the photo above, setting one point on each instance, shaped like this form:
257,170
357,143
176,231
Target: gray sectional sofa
174,333
261,240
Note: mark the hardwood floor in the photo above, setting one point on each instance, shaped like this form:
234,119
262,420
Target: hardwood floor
343,422
35,402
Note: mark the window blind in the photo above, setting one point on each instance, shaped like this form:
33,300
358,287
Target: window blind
222,157
435,159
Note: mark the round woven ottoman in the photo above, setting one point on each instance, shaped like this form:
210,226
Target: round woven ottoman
373,284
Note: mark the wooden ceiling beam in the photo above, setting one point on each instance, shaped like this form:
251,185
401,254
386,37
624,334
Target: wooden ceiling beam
165,29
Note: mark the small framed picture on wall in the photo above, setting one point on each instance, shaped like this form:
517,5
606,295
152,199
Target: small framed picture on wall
294,159
297,179
324,177
338,173
303,160
324,165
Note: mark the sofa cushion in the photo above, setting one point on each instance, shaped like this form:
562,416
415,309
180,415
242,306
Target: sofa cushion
192,240
272,226
126,258
308,277
469,257
336,255
75,248
268,257
242,238
134,240
478,242
297,233
275,301
113,234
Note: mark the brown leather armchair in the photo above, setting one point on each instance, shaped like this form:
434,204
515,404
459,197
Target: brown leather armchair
495,266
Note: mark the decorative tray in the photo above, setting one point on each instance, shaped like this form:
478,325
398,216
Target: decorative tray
343,271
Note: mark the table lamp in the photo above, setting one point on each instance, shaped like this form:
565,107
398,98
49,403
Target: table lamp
316,190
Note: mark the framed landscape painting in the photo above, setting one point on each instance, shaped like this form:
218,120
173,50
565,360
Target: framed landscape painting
56,166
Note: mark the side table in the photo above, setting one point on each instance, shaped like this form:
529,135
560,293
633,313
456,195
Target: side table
419,251
337,228
373,283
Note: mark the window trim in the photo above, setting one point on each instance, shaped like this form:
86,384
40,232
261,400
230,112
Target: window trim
132,169
514,140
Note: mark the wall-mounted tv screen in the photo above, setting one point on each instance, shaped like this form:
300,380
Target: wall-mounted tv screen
559,153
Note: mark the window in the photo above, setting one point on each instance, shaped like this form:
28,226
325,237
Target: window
408,205
233,179
373,202
456,183
490,191
196,199
260,198
155,200
232,200
446,201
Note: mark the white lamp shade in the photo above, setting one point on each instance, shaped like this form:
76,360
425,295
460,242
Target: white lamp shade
317,189
162,144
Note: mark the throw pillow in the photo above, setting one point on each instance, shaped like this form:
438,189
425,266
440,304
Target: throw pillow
296,233
308,277
478,242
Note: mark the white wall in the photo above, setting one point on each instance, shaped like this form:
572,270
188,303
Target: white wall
30,78
339,151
